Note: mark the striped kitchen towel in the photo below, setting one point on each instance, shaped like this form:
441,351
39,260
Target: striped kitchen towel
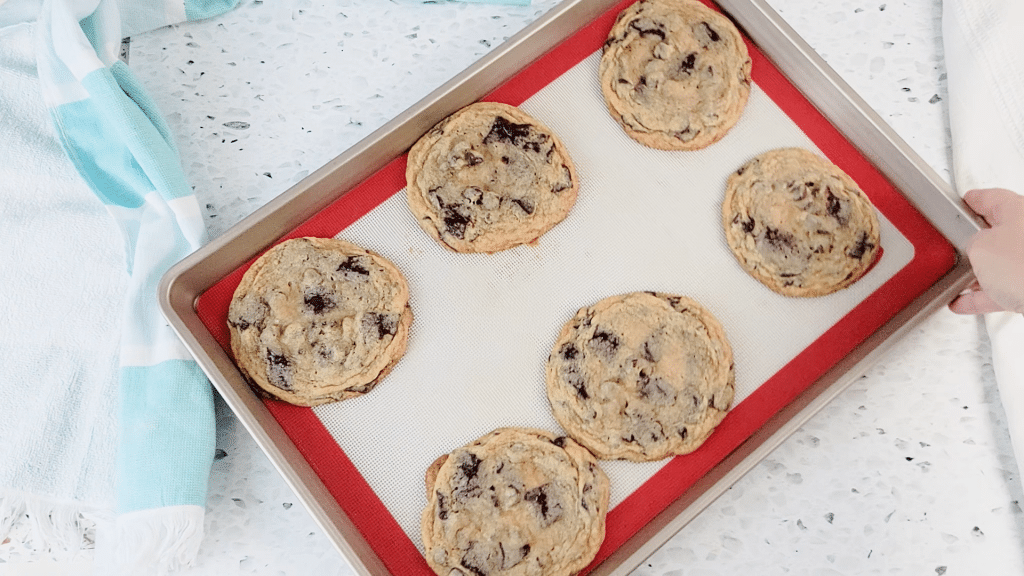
122,148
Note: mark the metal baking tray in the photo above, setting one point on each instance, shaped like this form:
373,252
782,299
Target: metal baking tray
931,196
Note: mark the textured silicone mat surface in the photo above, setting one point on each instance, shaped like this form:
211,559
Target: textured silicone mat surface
484,324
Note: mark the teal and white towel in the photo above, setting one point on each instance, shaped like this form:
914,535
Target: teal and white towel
101,407
120,145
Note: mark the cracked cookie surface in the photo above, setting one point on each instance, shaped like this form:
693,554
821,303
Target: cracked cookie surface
641,376
799,224
488,178
316,320
516,502
675,74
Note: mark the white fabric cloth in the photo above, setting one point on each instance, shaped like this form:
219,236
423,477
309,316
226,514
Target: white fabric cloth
60,305
117,147
983,42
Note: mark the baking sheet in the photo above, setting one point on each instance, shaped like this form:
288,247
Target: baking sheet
484,324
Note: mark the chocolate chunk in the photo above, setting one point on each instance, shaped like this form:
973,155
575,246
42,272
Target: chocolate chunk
503,130
442,506
686,135
534,146
514,555
711,32
576,381
835,207
645,428
797,191
325,353
455,220
647,352
748,166
587,489
240,324
524,204
549,509
318,302
566,181
560,441
469,466
647,27
467,485
686,66
748,224
655,390
862,247
472,159
478,559
588,318
604,343
354,264
640,86
364,388
779,240
435,200
683,433
569,351
279,370
380,325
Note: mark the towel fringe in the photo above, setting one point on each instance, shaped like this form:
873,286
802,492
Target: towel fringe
150,542
60,528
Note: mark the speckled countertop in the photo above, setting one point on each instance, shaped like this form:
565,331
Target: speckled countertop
909,471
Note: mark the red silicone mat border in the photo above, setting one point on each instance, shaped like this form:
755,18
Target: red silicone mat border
933,257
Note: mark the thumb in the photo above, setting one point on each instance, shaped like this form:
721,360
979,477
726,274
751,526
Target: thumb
987,202
974,302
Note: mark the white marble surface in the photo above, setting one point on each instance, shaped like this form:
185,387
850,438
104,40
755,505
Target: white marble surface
909,471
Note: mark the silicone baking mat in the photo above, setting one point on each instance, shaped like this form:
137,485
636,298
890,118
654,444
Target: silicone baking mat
645,220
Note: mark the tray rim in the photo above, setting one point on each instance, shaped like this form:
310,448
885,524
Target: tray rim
930,194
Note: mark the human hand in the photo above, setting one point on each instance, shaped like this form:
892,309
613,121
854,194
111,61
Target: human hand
996,254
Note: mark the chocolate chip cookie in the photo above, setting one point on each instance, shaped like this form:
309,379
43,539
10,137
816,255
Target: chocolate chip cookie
675,74
799,224
514,502
641,376
488,178
315,320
